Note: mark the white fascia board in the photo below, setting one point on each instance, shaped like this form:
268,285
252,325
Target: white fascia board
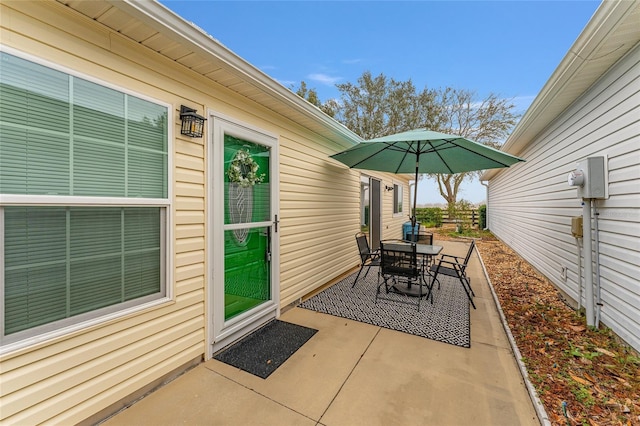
175,27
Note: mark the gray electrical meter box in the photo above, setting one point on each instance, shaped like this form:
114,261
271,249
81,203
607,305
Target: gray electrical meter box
593,169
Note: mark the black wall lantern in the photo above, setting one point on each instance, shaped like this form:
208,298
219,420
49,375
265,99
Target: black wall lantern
192,123
388,188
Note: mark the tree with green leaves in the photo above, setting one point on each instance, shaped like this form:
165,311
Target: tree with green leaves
380,106
311,96
487,121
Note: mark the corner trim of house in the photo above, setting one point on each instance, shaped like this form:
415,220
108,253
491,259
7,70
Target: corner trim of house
126,402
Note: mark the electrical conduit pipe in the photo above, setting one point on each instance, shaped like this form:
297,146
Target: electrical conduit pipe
579,273
597,249
588,266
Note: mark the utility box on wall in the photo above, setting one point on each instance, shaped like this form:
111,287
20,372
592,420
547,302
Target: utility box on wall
590,178
576,226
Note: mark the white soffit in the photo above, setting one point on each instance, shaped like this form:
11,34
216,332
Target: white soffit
154,26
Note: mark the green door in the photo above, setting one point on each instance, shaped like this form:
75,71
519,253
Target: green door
243,204
247,242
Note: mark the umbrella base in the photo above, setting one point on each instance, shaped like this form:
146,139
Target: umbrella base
411,289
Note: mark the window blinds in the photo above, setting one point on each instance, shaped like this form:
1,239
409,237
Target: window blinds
62,135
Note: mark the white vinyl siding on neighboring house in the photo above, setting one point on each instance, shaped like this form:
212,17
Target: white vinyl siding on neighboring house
84,198
531,205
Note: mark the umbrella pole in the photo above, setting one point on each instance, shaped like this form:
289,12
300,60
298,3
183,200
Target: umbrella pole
415,200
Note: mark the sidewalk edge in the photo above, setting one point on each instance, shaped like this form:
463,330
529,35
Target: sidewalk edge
537,403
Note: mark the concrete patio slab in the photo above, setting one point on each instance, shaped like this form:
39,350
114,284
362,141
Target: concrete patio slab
315,373
351,373
204,397
408,380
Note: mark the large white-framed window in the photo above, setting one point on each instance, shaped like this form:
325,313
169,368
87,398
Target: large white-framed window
84,199
398,197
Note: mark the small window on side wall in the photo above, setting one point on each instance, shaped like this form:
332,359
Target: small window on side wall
397,199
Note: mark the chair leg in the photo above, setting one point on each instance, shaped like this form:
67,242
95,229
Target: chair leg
389,287
434,279
430,287
367,273
469,285
463,280
422,282
380,284
358,276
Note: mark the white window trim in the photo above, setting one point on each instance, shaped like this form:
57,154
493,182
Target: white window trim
85,321
74,73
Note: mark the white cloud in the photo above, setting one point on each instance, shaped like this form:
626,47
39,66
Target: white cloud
287,83
351,61
325,79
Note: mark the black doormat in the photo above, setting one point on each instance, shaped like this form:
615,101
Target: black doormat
263,351
446,320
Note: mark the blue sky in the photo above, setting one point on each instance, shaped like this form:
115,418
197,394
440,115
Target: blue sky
509,48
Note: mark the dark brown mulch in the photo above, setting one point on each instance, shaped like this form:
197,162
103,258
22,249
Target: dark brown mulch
583,376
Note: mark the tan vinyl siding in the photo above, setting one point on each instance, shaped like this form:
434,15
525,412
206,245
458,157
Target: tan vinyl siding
392,224
320,208
531,205
67,379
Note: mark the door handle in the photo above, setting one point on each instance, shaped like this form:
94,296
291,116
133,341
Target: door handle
268,253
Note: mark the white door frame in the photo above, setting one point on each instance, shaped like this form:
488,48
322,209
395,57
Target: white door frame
221,332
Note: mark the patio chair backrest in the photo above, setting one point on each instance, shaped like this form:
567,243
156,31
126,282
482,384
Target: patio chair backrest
425,238
399,260
363,246
471,247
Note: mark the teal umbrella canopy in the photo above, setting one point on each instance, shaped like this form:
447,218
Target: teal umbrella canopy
431,152
424,151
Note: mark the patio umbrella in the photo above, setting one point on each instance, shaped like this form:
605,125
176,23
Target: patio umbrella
423,151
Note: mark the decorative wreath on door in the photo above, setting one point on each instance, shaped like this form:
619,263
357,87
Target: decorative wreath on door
243,176
243,170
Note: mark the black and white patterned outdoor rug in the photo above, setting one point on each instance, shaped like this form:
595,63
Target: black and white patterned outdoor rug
446,320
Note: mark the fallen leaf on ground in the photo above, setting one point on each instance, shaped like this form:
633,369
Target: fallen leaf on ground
606,352
580,380
546,330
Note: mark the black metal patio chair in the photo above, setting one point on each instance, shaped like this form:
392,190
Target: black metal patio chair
424,238
368,257
402,274
452,266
